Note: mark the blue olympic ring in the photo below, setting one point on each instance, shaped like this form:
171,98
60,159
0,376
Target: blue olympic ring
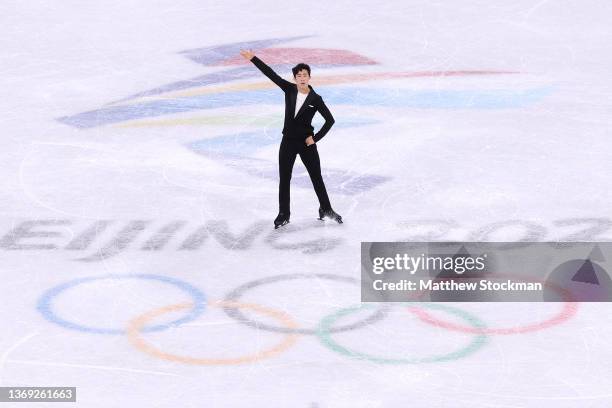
45,306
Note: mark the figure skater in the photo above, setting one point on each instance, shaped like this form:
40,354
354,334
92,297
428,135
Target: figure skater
301,104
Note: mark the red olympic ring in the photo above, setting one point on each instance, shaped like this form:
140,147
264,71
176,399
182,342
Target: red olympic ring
569,310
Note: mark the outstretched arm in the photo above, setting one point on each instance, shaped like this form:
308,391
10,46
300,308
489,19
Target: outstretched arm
329,121
267,71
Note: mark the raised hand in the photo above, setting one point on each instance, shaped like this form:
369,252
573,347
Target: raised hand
247,54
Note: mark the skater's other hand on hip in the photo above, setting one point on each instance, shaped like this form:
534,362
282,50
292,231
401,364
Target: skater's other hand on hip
309,141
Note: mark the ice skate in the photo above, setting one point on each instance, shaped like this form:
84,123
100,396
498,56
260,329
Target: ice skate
331,214
281,219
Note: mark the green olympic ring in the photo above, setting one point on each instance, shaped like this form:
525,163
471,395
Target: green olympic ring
324,334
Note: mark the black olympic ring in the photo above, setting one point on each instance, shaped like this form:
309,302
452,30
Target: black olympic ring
237,314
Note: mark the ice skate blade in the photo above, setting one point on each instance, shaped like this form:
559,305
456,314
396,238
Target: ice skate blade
339,221
280,225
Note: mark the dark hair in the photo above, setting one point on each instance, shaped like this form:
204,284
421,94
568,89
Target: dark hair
300,67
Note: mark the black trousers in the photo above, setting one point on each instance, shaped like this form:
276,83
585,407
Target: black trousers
289,149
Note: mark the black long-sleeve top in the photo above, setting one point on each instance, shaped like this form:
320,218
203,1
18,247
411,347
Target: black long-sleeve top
298,126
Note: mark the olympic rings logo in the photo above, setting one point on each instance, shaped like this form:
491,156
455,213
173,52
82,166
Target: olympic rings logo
287,326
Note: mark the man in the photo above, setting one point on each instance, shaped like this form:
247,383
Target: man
301,104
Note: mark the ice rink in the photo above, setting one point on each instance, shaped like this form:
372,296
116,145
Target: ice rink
140,183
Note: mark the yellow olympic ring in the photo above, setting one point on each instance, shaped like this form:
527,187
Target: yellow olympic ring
135,326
